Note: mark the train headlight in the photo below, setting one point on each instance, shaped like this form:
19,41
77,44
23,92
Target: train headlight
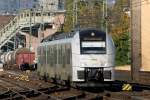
92,34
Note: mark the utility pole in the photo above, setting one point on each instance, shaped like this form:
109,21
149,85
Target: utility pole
135,40
30,33
103,17
75,14
41,26
106,17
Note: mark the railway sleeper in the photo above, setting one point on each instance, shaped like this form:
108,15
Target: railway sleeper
16,98
49,91
30,93
7,94
82,95
45,89
97,98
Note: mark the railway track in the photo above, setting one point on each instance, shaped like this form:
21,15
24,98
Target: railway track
144,76
14,89
45,92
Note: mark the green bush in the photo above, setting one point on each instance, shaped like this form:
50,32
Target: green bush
122,49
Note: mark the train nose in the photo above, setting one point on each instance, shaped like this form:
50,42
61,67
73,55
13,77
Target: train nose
94,74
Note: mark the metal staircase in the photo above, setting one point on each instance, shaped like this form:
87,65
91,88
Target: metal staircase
26,18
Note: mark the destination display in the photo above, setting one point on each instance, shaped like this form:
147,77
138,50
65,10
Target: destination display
93,44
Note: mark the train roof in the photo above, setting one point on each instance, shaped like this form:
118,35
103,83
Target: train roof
61,35
58,36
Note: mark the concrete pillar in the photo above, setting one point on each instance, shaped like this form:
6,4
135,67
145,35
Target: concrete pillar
135,39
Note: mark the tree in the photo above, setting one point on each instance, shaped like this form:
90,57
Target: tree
89,14
119,27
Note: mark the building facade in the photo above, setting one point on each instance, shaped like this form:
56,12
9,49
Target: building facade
140,34
145,34
52,5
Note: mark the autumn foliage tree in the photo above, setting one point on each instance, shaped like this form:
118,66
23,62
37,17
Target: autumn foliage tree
119,27
89,14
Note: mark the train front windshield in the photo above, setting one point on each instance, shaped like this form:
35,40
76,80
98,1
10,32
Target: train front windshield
93,42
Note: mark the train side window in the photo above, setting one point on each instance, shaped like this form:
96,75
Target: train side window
54,56
69,53
61,54
52,59
47,55
44,57
50,56
66,54
58,53
49,52
41,56
38,55
56,50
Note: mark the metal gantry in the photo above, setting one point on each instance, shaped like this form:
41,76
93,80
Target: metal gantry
25,18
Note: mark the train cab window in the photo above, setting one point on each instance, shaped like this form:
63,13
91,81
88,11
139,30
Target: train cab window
93,42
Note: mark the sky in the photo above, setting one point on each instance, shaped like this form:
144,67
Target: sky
111,1
12,5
